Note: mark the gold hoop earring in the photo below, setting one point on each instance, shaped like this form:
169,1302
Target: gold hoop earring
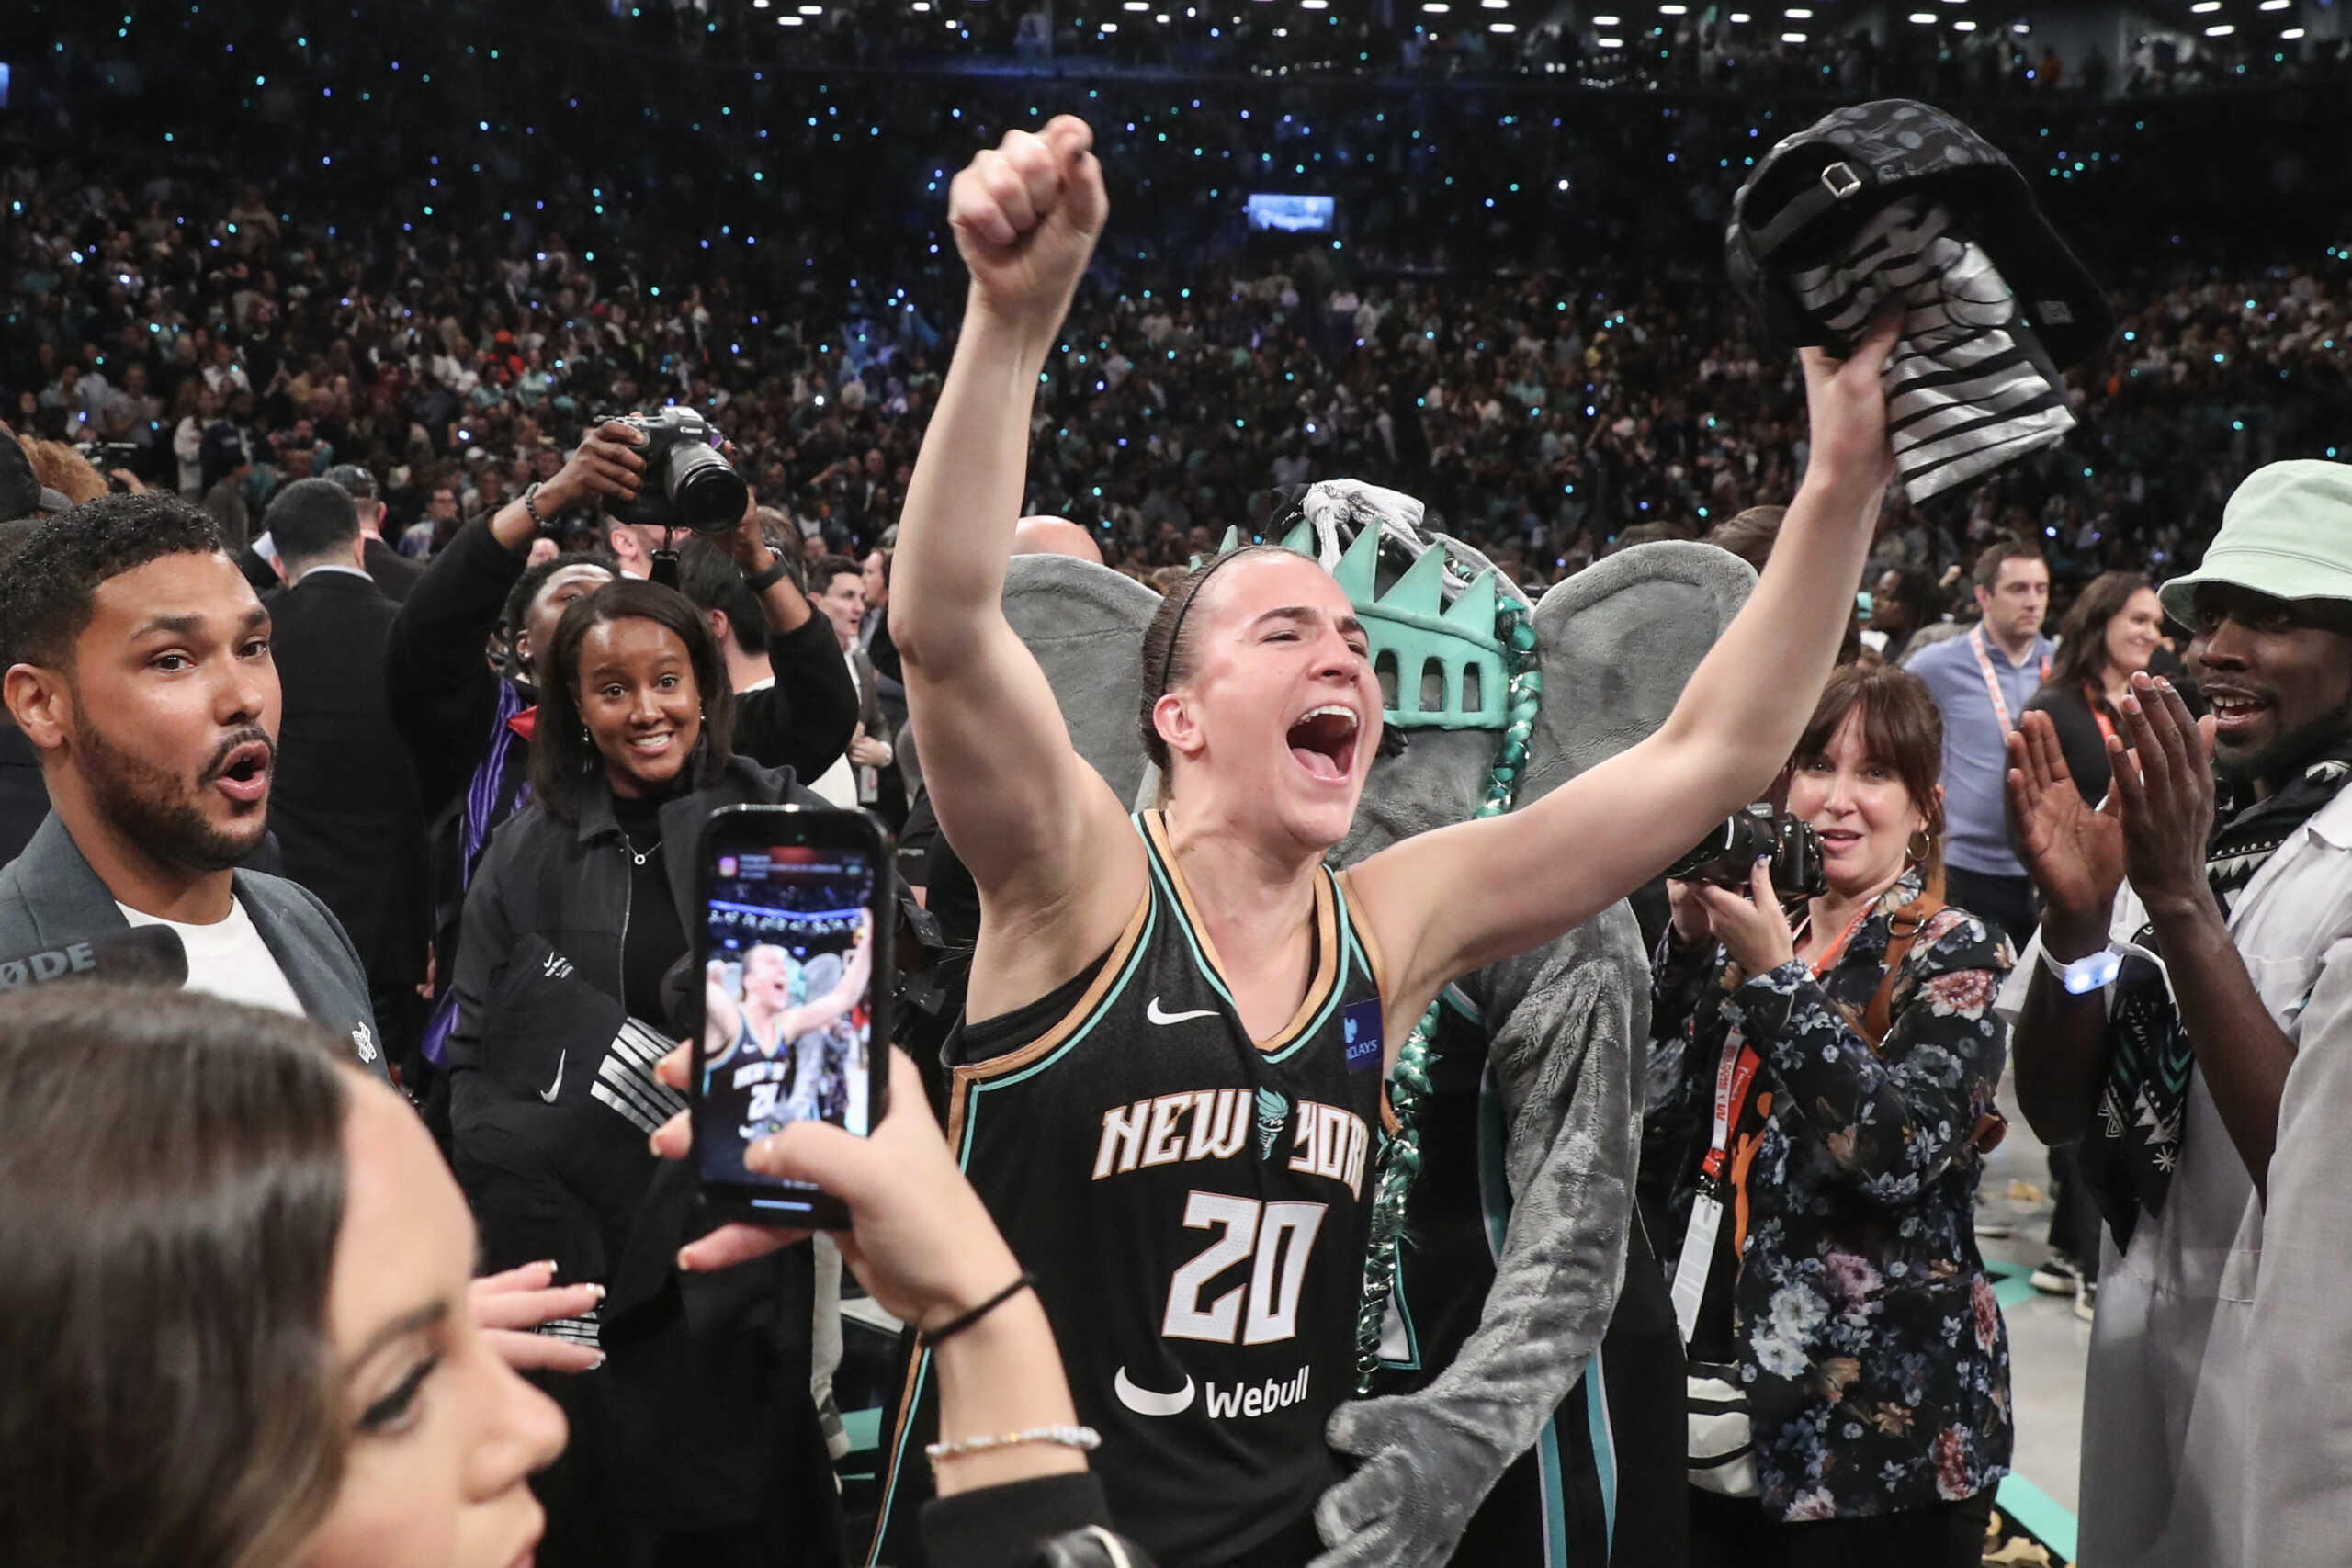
1919,847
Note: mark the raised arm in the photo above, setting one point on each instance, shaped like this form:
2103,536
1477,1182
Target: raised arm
1463,897
720,1021
1057,870
822,1011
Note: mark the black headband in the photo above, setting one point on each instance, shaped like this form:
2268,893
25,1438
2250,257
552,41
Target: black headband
1176,633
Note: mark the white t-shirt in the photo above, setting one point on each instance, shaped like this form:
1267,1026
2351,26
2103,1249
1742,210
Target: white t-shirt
229,960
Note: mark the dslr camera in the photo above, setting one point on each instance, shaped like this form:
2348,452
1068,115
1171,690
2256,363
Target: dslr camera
1727,858
688,484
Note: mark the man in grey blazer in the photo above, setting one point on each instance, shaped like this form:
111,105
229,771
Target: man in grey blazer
138,666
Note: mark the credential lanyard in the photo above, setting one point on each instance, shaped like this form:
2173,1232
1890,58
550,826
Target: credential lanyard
2092,697
1993,681
1735,1076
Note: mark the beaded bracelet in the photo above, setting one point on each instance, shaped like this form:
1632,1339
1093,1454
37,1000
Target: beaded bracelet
1085,1440
531,509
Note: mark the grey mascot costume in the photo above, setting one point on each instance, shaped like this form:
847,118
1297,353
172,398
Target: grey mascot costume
1520,1413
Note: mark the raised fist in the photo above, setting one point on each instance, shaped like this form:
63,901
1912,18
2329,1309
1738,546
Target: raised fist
1026,215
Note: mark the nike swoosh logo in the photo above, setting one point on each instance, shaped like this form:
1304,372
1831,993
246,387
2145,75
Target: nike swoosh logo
1160,1015
548,1093
1144,1402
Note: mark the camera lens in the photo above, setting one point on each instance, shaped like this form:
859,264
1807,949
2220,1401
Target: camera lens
1706,852
1727,856
707,493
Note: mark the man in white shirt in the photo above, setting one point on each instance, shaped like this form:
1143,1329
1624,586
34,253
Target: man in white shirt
138,665
2187,1011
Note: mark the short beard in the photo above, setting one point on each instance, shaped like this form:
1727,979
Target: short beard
2271,765
148,806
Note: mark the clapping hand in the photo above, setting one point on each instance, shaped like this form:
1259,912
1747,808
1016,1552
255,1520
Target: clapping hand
2167,801
2073,853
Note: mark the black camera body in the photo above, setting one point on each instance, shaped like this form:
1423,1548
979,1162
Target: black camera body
1727,858
688,483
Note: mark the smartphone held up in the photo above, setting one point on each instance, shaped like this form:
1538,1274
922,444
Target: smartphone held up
796,926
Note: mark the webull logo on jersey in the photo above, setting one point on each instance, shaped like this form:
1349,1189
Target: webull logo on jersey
1224,1401
1215,1124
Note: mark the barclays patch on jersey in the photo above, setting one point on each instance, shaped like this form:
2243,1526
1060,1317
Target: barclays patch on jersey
1360,1030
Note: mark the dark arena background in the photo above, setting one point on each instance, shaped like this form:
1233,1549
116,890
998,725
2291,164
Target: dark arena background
1472,250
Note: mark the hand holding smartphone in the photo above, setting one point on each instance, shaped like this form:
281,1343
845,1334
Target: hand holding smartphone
795,903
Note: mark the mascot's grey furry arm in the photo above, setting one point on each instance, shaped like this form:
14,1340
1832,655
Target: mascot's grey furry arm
1564,1026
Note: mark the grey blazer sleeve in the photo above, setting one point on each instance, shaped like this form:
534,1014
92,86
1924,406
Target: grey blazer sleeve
321,963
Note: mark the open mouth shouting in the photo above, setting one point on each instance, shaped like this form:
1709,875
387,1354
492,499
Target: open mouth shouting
2236,713
1323,741
243,773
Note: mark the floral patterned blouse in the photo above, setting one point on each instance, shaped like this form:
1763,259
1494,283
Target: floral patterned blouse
1866,1334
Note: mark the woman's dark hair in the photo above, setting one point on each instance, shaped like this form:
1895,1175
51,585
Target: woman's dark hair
1167,653
171,1188
1902,727
2082,636
1922,601
562,757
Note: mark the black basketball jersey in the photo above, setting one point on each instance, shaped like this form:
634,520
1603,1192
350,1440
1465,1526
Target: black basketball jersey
1196,1206
1603,1483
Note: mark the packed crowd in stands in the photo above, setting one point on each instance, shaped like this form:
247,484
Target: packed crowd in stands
1717,48
1552,364
332,293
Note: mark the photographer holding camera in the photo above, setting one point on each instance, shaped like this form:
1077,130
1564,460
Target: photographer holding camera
1819,1103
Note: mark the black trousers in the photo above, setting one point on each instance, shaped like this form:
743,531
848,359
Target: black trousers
2074,1213
2004,902
1732,1532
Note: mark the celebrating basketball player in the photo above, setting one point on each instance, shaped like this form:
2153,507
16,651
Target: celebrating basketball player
1170,1074
766,1022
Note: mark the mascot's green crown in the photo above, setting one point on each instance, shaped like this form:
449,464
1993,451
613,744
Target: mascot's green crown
1424,647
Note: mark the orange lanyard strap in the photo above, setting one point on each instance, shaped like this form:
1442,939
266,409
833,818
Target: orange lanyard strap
1993,682
2092,695
1734,1077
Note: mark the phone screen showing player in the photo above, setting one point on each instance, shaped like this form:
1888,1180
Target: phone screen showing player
789,953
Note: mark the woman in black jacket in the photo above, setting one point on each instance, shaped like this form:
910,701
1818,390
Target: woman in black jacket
697,1436
2114,630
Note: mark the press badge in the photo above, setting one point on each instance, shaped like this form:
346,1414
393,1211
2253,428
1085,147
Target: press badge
1734,1077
